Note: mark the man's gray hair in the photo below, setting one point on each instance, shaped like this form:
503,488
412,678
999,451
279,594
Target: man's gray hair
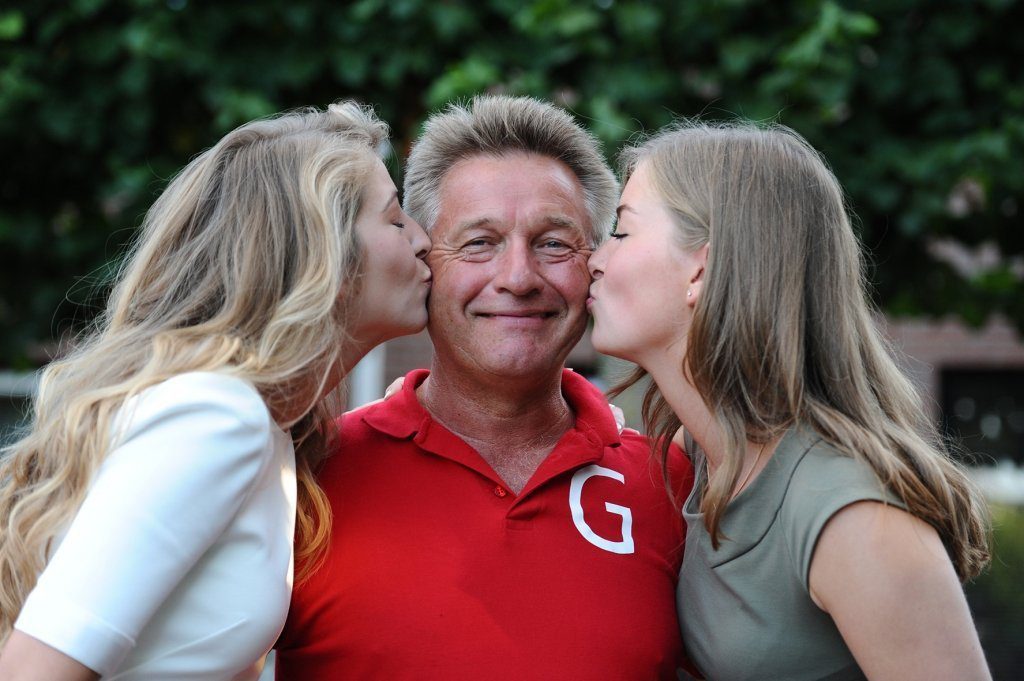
493,125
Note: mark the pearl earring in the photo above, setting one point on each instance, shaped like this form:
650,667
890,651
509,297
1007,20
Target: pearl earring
689,293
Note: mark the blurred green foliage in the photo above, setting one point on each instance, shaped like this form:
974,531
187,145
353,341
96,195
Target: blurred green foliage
997,599
918,105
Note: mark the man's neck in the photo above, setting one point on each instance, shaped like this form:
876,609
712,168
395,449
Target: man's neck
514,425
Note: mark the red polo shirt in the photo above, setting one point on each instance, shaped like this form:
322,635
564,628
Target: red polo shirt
437,571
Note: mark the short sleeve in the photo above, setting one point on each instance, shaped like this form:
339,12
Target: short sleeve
824,482
188,453
680,472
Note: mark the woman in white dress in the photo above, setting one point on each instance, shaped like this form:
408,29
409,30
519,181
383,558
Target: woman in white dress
148,515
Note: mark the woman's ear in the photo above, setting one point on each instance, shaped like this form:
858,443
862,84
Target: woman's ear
698,266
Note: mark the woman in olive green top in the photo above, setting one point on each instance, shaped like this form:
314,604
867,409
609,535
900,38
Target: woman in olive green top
828,531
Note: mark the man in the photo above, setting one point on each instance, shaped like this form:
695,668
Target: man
489,520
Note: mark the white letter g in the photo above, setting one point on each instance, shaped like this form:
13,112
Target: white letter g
576,492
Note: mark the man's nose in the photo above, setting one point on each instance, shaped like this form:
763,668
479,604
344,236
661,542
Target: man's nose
518,270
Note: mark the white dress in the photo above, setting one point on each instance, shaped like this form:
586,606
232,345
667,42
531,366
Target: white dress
179,563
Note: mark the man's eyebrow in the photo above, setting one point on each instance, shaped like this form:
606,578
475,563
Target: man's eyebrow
562,221
391,200
471,224
558,221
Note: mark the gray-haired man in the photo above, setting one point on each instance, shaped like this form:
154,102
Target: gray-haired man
490,521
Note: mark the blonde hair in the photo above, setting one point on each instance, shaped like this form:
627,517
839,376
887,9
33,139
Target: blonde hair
494,125
782,333
245,265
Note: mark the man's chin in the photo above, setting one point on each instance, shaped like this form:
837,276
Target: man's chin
526,365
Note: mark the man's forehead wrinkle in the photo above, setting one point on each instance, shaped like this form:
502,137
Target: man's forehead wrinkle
566,179
495,196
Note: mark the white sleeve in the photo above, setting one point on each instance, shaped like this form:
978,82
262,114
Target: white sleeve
191,449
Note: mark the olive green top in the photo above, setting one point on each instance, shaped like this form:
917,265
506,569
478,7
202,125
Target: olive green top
745,609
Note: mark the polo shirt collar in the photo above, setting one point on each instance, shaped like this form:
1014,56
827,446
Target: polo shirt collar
590,409
400,416
403,417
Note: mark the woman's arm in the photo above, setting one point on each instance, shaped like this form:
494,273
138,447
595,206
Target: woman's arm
885,578
24,658
191,453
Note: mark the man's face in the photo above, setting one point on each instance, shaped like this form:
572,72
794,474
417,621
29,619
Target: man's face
510,267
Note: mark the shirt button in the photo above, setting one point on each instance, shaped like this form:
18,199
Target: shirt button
499,491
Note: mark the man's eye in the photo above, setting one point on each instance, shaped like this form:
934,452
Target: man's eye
400,225
477,250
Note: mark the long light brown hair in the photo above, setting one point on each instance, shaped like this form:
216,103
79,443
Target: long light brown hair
245,265
783,334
